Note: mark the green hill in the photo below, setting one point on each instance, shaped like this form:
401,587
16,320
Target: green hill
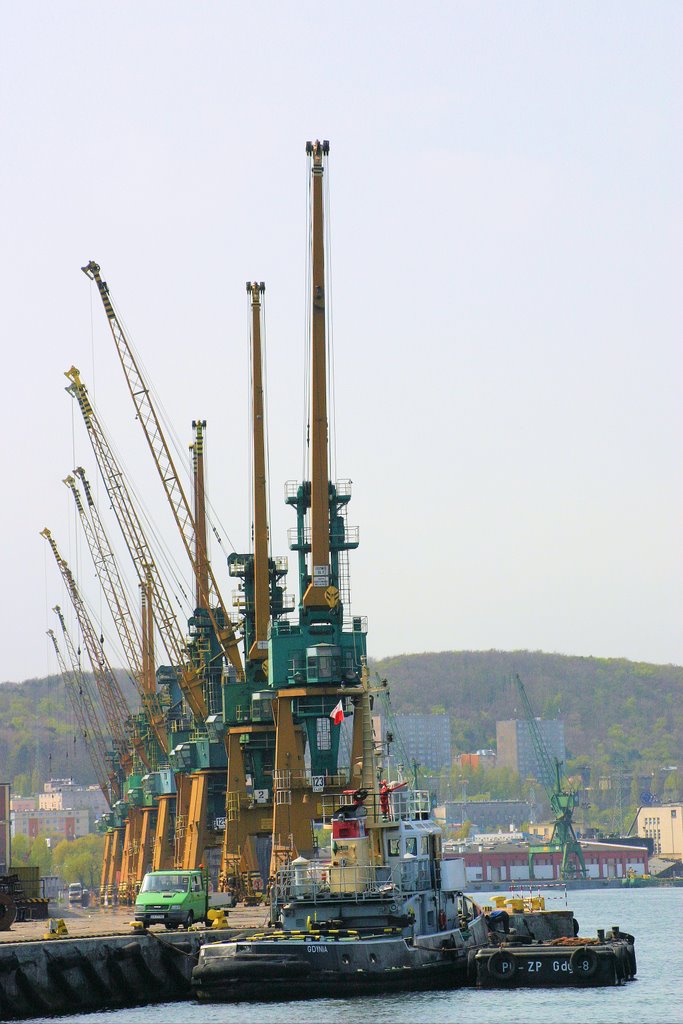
615,711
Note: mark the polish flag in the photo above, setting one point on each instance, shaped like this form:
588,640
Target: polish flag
337,714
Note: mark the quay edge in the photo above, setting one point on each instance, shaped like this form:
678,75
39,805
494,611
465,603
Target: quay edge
78,975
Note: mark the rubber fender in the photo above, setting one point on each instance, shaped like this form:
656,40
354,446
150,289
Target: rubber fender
9,963
624,961
502,966
127,952
630,950
584,962
472,965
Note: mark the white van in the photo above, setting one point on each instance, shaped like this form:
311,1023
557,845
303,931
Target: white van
75,892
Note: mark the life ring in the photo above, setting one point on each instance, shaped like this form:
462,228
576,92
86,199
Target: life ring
442,920
584,962
502,966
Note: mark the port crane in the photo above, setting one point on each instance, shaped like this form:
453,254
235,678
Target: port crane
83,705
110,580
161,454
250,728
317,662
190,677
114,703
140,816
562,799
177,836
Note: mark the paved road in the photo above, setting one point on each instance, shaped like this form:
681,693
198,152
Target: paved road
114,921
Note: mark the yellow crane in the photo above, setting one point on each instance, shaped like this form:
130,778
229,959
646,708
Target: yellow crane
85,711
161,454
110,580
83,702
259,647
116,710
317,595
190,676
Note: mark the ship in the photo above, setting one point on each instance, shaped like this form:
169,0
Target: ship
385,913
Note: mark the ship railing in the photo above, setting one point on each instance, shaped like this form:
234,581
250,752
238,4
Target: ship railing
322,882
410,805
298,778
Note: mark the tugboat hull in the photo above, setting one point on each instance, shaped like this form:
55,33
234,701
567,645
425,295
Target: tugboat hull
308,970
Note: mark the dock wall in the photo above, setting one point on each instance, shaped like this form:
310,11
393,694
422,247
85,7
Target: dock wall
75,975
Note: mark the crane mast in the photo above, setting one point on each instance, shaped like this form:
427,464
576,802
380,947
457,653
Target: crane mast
86,716
314,596
149,421
190,679
114,591
114,703
259,647
201,545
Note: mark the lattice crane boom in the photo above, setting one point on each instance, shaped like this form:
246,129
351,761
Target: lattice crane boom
108,574
116,709
163,460
562,800
85,711
135,539
546,765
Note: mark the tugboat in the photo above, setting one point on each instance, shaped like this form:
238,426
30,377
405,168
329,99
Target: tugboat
385,913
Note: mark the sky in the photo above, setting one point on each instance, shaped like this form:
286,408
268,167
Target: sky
506,225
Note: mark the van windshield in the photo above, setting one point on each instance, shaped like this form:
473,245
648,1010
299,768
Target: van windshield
165,883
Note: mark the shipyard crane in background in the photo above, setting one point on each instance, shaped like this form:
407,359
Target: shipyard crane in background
114,703
195,668
140,816
129,635
185,520
128,734
189,675
562,799
85,712
104,765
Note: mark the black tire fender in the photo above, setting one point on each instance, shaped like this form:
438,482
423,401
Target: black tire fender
502,965
472,965
584,962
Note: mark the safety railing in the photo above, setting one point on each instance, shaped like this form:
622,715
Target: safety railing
322,882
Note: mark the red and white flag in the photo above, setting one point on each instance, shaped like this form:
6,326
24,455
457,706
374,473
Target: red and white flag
337,714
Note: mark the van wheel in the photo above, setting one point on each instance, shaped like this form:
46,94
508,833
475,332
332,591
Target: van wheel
170,927
189,920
